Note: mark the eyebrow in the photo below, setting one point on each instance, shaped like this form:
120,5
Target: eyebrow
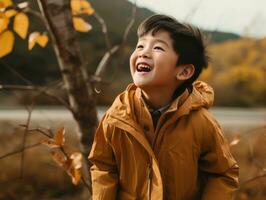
156,40
162,41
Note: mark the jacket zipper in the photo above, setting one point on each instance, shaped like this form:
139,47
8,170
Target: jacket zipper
149,181
149,169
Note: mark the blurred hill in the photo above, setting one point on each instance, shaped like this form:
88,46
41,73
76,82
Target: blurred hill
40,65
238,72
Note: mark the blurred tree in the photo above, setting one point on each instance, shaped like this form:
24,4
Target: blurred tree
238,72
61,19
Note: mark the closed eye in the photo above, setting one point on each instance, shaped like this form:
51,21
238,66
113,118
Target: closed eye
139,46
158,48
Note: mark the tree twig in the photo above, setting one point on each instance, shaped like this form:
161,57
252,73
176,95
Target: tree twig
104,61
13,71
38,130
104,30
88,186
20,150
111,51
29,109
252,179
131,23
40,89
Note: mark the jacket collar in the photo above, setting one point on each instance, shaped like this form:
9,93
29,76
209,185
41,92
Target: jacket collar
130,113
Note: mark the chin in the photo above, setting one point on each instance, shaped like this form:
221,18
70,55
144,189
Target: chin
143,86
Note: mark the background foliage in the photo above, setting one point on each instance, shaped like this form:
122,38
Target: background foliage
237,65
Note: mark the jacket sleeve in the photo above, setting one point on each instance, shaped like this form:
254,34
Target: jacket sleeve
103,171
218,165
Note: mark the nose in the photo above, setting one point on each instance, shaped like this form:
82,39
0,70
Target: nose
144,53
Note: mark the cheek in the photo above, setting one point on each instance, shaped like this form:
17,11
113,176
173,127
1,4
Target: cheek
132,61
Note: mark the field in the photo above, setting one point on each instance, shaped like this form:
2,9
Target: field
43,179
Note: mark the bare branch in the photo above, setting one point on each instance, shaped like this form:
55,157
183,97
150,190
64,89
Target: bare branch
35,13
20,150
39,131
88,186
131,23
41,90
253,179
104,30
29,109
104,61
107,56
15,73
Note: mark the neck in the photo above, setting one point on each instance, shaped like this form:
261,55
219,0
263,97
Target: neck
157,98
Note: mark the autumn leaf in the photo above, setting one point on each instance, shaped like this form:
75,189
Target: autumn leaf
23,5
10,13
42,40
4,21
75,6
59,158
5,3
86,8
36,37
81,7
21,24
235,140
71,165
74,167
33,39
76,160
81,25
76,176
7,43
57,141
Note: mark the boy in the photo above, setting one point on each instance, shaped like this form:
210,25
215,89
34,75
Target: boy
158,141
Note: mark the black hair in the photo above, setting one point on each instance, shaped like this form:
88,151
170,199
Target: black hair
187,41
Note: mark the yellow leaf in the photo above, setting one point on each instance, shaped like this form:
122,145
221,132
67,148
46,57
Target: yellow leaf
74,165
5,3
76,160
7,43
71,165
76,176
21,24
10,13
59,138
81,7
23,5
75,6
32,39
86,8
59,158
81,25
88,11
4,21
42,40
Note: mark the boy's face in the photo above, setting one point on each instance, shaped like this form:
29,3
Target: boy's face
153,64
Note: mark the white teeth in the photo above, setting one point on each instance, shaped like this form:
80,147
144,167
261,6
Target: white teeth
143,67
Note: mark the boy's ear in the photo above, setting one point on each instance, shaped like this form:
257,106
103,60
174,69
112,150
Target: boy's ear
185,72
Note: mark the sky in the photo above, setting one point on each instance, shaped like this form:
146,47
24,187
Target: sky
244,17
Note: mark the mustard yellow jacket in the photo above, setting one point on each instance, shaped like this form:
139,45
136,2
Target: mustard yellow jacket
189,160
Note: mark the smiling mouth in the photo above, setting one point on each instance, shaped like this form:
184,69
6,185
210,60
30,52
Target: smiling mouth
143,67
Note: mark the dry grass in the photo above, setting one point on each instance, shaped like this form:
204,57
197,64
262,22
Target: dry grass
250,154
44,180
